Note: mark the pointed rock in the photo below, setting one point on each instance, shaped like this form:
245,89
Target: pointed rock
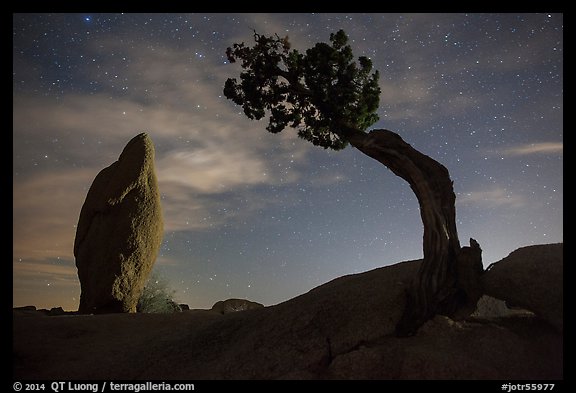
119,231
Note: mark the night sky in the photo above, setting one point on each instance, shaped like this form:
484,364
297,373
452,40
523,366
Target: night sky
249,214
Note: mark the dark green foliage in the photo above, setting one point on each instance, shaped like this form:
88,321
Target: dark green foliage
157,297
318,92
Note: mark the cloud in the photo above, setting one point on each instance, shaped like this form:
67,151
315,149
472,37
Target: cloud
495,197
46,208
533,148
209,157
54,271
211,169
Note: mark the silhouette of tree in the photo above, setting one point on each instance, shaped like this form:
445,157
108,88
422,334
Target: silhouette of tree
330,99
318,93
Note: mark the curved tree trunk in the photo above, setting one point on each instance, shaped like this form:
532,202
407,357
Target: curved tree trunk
448,278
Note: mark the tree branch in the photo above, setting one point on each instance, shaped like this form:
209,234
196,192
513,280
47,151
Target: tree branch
293,83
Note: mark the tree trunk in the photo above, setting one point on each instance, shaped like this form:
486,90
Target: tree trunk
441,286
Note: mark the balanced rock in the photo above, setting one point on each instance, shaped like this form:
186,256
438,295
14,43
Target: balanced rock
119,231
530,278
233,305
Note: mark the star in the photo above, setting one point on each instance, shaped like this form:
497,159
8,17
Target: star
480,93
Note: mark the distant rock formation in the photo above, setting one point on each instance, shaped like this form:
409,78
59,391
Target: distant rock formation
32,310
25,308
233,305
119,231
530,278
54,311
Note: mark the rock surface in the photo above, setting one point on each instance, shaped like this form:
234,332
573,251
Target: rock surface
490,307
233,305
530,278
343,329
119,231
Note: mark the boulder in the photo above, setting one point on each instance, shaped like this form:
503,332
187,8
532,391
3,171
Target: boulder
119,231
234,305
531,278
489,307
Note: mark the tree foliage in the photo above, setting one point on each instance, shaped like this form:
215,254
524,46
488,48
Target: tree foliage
318,92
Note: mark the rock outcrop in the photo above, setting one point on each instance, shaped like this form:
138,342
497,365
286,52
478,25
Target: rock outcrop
530,278
343,329
234,305
119,231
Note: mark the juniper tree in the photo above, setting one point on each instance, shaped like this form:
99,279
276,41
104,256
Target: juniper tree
330,99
